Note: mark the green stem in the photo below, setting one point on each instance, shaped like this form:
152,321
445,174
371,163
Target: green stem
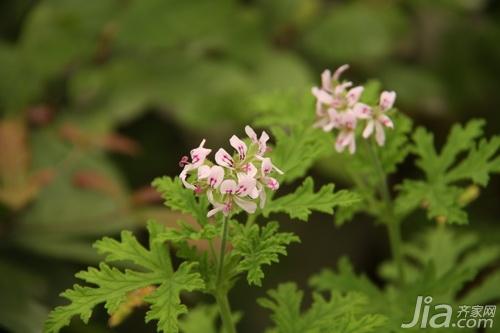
221,293
395,241
225,313
392,222
220,269
251,218
212,250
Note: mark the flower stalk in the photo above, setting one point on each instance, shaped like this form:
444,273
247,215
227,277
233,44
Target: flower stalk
390,219
234,182
225,312
339,108
221,293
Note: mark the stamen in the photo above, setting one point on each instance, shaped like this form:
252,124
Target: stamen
228,160
198,190
184,161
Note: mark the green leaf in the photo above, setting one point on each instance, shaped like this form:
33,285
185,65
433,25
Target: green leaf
480,162
187,231
344,280
285,303
298,144
258,246
439,263
463,158
166,304
304,200
179,198
111,285
339,313
202,319
346,213
448,251
486,292
459,140
440,200
361,171
397,144
298,148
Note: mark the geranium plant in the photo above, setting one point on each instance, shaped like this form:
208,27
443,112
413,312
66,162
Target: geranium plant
230,199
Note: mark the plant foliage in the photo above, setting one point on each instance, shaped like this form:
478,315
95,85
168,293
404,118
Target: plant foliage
111,285
466,157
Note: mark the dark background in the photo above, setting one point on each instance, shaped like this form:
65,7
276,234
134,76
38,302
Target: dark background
98,97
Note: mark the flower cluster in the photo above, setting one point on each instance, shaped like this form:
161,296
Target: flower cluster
239,179
338,107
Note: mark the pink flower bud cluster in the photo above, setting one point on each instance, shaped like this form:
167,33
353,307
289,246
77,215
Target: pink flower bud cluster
338,108
237,179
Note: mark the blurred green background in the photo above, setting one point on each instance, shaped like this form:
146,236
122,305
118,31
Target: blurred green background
98,97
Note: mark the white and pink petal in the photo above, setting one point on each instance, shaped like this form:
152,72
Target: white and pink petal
247,205
387,99
239,146
223,158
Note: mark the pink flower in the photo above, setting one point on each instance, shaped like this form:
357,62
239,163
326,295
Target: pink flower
377,118
267,166
333,98
346,137
214,175
198,156
261,142
264,180
234,192
235,180
387,99
223,158
338,109
239,145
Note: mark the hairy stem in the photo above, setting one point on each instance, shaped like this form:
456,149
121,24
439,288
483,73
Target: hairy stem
225,313
220,268
251,219
392,222
221,293
212,250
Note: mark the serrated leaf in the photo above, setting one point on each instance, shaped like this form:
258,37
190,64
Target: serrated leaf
439,193
344,280
298,148
439,200
179,198
258,247
186,231
285,303
298,144
165,302
480,162
439,263
454,257
203,319
112,288
304,200
111,285
200,319
346,213
338,313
